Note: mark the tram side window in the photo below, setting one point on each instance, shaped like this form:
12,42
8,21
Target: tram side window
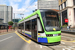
34,24
27,26
22,26
19,26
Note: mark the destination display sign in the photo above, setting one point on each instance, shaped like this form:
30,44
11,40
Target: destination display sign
51,15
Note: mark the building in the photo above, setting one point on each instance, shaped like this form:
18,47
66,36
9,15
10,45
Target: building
67,11
16,21
6,13
48,4
2,25
1,21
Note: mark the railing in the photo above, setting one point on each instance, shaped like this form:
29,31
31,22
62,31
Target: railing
5,30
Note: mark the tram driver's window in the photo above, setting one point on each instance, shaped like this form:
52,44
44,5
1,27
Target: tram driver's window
40,28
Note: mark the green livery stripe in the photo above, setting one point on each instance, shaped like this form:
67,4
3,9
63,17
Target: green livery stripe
27,33
38,12
31,15
21,20
28,16
53,32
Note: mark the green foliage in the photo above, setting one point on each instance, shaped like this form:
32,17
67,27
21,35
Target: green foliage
64,25
10,23
12,27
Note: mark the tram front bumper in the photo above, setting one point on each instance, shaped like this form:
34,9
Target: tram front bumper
54,39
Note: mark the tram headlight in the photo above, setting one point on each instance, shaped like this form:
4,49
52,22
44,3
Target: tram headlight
48,35
59,34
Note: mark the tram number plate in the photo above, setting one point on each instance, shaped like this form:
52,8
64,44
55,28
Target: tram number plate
55,34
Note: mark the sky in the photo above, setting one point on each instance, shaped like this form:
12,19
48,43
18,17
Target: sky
21,6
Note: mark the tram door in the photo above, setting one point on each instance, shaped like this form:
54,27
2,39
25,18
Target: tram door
34,29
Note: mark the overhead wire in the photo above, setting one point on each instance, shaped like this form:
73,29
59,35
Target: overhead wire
28,6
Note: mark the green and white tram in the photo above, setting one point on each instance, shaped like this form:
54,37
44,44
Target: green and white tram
42,26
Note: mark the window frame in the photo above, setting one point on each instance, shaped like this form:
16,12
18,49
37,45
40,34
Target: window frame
65,4
61,6
29,29
41,26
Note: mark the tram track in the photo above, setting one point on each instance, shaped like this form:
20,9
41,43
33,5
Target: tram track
68,37
68,47
50,47
62,46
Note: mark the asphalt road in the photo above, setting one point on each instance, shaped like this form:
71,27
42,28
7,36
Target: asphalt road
11,42
15,41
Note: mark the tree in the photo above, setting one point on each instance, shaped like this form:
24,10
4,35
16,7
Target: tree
10,23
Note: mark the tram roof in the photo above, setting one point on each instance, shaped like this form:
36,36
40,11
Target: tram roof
29,16
36,12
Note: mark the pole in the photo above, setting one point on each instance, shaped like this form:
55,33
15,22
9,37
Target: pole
37,4
7,28
24,26
23,15
14,21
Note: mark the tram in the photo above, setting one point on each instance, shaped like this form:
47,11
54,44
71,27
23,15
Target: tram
42,26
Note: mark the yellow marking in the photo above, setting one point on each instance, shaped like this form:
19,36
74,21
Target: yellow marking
38,33
48,40
54,29
23,38
68,41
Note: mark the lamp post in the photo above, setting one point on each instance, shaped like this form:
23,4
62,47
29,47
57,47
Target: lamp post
24,22
23,15
14,18
7,27
14,21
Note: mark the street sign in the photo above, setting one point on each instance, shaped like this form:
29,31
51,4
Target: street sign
66,20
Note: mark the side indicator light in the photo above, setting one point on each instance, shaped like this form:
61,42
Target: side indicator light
38,33
48,40
59,34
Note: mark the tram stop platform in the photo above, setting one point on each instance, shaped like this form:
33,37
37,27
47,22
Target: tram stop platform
72,30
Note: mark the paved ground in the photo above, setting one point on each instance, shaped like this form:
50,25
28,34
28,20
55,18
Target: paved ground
67,43
5,31
11,42
16,41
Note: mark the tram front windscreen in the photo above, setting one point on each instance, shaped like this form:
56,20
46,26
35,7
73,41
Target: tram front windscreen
51,20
